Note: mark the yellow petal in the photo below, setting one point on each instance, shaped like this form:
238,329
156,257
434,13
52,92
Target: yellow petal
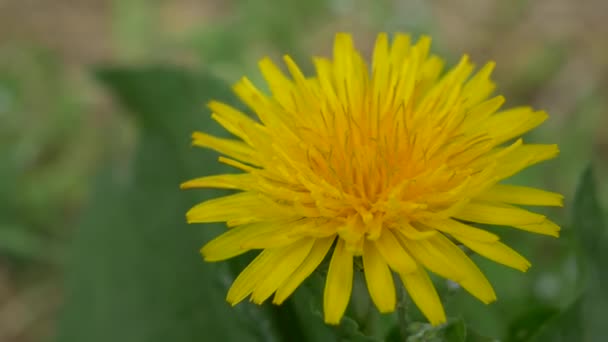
489,159
380,70
378,278
512,123
423,46
521,195
238,240
342,53
432,258
380,56
283,268
399,49
283,233
456,228
229,147
437,94
482,111
312,261
473,149
414,234
546,227
394,254
338,285
230,244
423,293
480,86
430,70
235,164
236,122
243,181
279,84
324,70
497,251
296,73
245,205
473,280
523,156
270,113
494,213
254,273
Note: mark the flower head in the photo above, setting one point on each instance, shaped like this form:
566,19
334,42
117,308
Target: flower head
394,163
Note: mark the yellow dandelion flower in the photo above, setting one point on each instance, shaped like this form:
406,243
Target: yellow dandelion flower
393,163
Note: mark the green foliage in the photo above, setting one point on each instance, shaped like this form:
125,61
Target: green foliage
351,331
562,326
136,273
577,321
134,27
588,221
45,159
265,22
455,330
528,325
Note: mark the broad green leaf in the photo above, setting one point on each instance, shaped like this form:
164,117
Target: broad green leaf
528,325
588,222
424,332
307,301
589,225
136,273
564,326
473,336
582,319
349,330
455,331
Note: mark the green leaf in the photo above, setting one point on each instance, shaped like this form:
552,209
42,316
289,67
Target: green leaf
525,327
455,331
563,326
349,330
419,332
588,221
584,316
473,336
136,272
307,301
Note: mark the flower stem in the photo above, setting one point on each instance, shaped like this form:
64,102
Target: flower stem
402,316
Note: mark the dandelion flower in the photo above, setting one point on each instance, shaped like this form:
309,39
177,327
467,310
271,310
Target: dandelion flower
394,163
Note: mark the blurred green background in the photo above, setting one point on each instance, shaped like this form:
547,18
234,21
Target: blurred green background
97,101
